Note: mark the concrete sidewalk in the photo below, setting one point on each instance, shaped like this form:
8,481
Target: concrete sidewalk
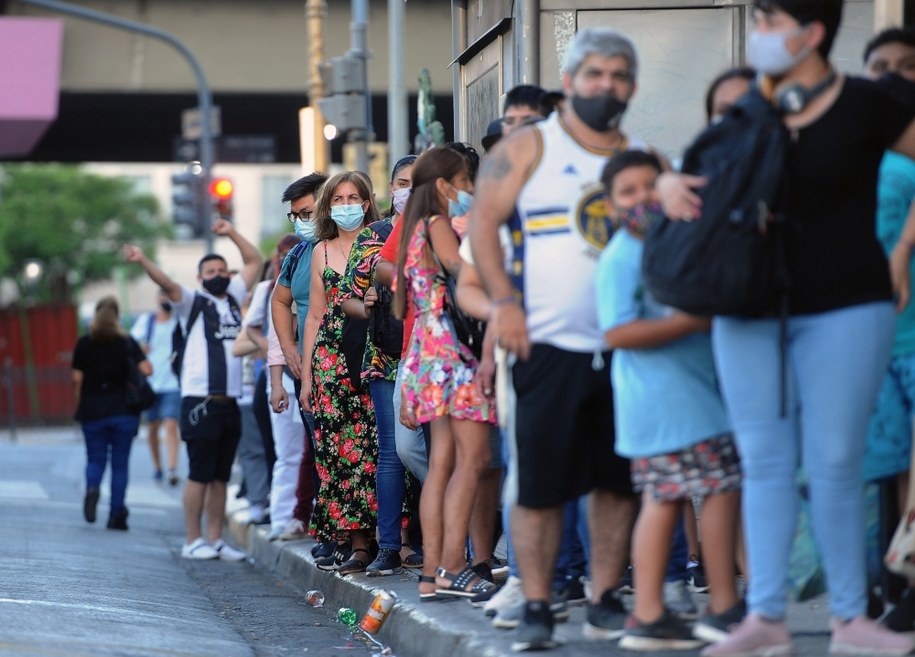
455,628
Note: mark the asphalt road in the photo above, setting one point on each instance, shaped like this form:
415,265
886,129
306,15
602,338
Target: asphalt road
70,589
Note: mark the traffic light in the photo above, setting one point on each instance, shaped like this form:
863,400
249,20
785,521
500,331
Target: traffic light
188,203
221,191
344,105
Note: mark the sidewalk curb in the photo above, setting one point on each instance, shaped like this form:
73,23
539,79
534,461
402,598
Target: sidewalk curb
410,630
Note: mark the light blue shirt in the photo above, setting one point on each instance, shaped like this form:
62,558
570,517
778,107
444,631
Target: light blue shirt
163,379
665,398
299,283
895,193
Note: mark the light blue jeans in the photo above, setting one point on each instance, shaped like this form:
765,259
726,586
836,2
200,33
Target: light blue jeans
390,482
836,361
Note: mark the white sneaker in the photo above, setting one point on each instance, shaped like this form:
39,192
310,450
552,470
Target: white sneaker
255,514
274,533
293,531
199,549
226,552
508,596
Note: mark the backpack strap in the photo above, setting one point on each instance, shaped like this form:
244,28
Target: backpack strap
196,309
294,256
150,325
382,229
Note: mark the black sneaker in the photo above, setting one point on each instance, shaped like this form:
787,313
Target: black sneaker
574,592
536,629
90,504
386,563
340,556
605,620
626,581
666,633
902,616
118,520
695,576
714,628
321,550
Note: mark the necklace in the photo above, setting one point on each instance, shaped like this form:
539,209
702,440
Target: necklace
343,253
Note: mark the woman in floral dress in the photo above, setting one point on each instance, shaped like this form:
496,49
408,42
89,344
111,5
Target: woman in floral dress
346,442
438,387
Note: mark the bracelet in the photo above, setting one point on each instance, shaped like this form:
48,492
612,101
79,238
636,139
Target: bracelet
503,301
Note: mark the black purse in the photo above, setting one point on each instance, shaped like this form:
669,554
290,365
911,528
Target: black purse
469,330
139,394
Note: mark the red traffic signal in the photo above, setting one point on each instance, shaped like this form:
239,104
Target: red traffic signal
222,189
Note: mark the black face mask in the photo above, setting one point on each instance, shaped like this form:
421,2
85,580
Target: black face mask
217,285
600,113
166,306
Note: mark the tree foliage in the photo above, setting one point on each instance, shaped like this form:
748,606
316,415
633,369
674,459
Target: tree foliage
74,222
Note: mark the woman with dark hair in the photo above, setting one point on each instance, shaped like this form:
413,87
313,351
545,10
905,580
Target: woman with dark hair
346,440
101,363
725,90
438,386
801,389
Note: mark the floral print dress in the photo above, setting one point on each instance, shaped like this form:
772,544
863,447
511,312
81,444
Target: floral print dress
440,370
346,440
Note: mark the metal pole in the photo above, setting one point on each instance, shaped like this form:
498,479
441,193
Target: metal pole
315,11
358,29
458,45
530,42
397,91
204,98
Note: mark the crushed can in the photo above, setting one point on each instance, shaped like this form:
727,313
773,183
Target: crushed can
378,611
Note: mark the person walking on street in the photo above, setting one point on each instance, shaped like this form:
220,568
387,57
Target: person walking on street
101,363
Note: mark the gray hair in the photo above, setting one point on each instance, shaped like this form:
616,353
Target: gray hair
599,41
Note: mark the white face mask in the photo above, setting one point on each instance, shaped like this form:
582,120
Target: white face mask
768,52
399,198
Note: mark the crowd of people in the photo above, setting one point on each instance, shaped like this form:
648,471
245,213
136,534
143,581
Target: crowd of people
391,381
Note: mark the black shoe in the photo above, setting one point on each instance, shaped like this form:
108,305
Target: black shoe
574,592
902,616
90,503
536,629
341,555
386,563
626,582
666,633
483,571
716,628
118,520
605,620
695,576
321,550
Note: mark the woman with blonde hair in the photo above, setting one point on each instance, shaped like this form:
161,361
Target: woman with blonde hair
101,364
346,439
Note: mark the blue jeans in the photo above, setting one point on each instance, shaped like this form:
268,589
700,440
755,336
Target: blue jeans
835,363
390,478
111,435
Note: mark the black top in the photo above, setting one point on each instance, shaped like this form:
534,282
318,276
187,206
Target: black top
104,366
833,253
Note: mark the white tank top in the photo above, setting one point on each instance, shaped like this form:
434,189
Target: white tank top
559,229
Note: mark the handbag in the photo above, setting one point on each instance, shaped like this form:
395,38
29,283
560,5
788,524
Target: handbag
139,393
900,555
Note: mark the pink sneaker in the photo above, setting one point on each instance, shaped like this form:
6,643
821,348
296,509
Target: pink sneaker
754,637
862,636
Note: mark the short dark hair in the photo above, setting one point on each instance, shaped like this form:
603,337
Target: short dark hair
739,73
626,160
827,12
310,184
527,95
903,35
405,161
205,259
470,155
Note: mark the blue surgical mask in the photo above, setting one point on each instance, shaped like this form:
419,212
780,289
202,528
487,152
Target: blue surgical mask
306,230
399,199
348,217
461,206
768,52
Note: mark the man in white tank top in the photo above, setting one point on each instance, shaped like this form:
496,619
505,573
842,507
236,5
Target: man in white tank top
543,181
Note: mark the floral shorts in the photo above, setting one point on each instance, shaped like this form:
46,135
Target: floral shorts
706,468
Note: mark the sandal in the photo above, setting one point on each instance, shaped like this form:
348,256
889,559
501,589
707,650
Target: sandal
354,565
431,596
459,582
412,560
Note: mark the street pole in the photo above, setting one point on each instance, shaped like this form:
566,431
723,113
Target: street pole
397,91
359,49
315,11
204,97
530,42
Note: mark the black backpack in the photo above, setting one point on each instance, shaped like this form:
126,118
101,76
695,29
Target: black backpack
731,260
385,330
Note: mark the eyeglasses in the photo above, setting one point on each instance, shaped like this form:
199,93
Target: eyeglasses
301,215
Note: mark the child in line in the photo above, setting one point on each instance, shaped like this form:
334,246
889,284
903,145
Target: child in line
670,421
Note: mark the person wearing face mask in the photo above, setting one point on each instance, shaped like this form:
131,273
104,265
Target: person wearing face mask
346,440
289,306
836,340
438,377
211,381
687,451
154,333
544,316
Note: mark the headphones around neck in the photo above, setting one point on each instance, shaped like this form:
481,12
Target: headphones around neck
795,97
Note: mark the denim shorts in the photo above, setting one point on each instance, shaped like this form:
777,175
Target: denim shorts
889,435
167,407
